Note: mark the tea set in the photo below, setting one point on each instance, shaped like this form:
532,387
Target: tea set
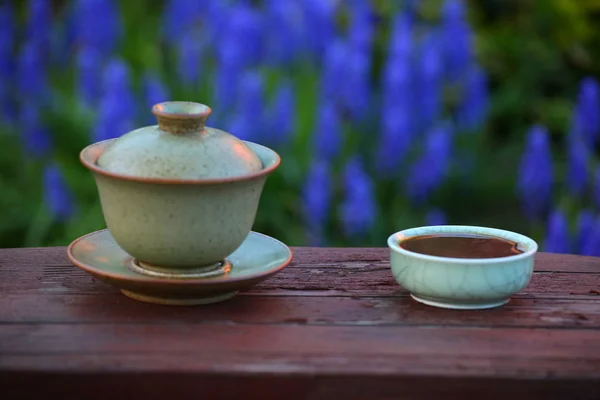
180,198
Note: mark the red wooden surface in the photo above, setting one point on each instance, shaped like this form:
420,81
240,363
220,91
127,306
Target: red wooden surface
334,324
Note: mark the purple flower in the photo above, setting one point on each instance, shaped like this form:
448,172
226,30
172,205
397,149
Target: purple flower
394,141
458,51
596,188
327,136
251,96
117,106
39,21
401,38
190,57
356,85
397,122
89,75
577,167
435,217
358,209
585,228
227,75
57,196
362,26
116,76
227,78
473,106
244,33
557,233
320,19
36,140
587,120
7,18
112,120
249,120
453,11
286,30
316,200
181,17
431,168
430,81
534,183
282,115
7,65
32,82
97,24
215,19
154,92
334,70
591,242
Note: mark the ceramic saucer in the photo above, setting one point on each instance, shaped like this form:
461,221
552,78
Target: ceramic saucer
258,258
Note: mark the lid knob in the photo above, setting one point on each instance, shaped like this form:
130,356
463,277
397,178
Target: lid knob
179,117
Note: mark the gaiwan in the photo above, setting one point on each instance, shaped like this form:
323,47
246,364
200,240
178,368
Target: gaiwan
179,196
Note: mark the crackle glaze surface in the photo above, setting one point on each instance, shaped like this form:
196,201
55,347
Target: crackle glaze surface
150,152
461,283
180,225
179,147
258,258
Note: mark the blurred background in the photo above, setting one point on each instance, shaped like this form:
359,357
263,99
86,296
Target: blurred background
388,114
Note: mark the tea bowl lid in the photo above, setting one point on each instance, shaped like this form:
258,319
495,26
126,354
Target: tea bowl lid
181,146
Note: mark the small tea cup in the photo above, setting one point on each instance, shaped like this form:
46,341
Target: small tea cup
461,283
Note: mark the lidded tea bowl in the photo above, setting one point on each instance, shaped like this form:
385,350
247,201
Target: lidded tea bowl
179,197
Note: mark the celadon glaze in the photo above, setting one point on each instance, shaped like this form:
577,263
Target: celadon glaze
179,224
179,147
462,283
258,258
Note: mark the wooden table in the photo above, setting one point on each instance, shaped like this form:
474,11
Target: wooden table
332,325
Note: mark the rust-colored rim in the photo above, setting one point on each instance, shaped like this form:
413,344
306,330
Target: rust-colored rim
91,165
186,282
202,113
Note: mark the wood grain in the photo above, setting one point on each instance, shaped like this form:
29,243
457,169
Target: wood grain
253,309
545,262
334,324
311,277
436,351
